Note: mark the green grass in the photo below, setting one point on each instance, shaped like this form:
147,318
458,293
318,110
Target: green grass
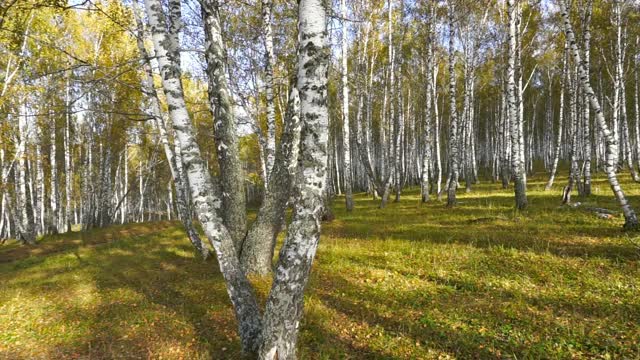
410,281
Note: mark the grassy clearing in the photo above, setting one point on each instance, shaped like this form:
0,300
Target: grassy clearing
410,281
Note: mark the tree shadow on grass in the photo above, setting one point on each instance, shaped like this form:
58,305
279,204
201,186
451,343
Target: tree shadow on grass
462,318
150,297
561,231
57,243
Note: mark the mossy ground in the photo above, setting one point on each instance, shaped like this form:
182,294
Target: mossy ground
413,280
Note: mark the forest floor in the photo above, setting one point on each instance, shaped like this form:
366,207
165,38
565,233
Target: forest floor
409,281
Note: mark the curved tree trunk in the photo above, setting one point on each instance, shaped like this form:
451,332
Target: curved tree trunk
203,190
631,220
182,196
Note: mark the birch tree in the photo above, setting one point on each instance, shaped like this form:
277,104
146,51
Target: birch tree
226,137
274,334
269,59
517,166
558,144
426,155
346,137
453,116
631,220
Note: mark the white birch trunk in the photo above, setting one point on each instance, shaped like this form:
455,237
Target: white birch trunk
269,59
452,182
631,220
285,302
25,224
556,153
517,147
203,190
68,175
226,137
346,137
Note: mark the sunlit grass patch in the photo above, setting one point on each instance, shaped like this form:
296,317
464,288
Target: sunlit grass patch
414,280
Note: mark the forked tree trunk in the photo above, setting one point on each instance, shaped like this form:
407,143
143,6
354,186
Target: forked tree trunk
284,305
203,190
258,248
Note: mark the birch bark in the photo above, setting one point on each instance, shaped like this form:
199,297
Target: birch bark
558,145
182,198
346,137
258,248
284,305
426,158
631,220
517,165
203,191
453,127
25,224
226,137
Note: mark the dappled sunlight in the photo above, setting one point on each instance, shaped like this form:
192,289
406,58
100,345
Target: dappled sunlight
409,281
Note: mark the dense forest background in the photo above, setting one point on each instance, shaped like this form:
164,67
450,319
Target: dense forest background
245,120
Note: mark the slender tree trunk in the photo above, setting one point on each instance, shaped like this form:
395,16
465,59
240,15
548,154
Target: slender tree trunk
125,201
637,99
68,175
426,126
453,127
517,166
25,225
617,14
203,190
40,190
346,137
53,181
556,153
284,305
586,190
394,117
505,130
436,134
573,134
220,101
269,60
631,220
182,197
